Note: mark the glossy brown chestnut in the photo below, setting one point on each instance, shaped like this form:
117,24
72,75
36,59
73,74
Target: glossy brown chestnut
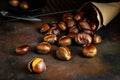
44,28
65,41
72,35
70,23
54,23
83,39
14,3
43,47
62,25
24,5
63,53
55,30
93,26
79,16
89,51
36,65
84,25
88,32
23,49
51,38
97,39
67,16
74,29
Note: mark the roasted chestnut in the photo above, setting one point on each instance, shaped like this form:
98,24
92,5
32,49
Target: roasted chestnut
70,23
89,51
73,29
67,16
24,5
72,35
14,3
88,32
54,23
22,49
51,38
63,53
83,39
93,26
43,47
84,25
79,16
62,25
97,39
65,41
54,30
36,65
44,28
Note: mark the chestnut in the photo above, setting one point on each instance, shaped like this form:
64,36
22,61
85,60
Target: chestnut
43,47
88,32
24,5
73,29
14,3
51,38
62,25
44,28
72,35
93,26
23,49
55,30
67,16
70,23
84,25
65,41
63,53
54,23
79,16
37,65
97,39
83,39
89,51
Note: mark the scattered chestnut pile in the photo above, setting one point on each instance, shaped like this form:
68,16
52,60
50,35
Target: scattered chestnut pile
71,29
17,3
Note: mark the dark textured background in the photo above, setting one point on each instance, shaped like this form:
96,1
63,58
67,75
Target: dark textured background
104,66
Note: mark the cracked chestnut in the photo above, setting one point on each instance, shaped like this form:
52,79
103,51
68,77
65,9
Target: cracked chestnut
89,51
37,65
63,53
51,38
65,41
62,25
84,25
43,47
54,30
67,16
83,39
44,28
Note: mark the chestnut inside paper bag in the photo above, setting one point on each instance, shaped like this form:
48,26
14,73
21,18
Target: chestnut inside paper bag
100,14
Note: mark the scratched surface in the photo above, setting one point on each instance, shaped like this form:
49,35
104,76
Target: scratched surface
104,66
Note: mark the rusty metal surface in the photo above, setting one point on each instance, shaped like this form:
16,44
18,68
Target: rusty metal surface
104,66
